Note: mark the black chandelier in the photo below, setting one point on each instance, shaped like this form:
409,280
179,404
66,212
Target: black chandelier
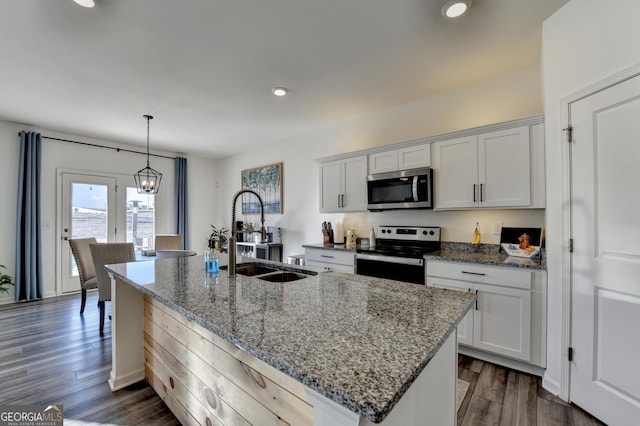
148,179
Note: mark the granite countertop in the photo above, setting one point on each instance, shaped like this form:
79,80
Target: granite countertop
357,340
484,254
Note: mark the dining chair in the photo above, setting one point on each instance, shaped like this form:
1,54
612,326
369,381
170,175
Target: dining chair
168,242
86,271
107,254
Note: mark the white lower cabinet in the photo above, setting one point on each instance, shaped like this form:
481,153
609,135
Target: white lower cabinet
465,328
509,317
502,321
331,260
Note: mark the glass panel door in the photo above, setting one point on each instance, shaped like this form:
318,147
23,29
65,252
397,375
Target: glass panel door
88,209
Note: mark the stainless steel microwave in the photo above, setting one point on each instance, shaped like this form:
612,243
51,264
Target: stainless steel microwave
406,189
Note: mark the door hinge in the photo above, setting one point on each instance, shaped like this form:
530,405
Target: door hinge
570,245
570,354
115,231
569,131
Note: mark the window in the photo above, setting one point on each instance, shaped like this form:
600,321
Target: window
140,218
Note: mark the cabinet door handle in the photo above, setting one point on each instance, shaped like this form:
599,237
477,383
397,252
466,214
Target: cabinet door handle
481,185
474,273
339,201
474,192
476,300
327,256
342,201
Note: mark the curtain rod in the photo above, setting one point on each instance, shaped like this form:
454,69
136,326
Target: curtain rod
106,147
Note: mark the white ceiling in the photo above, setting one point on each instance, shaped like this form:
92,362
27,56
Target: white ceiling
205,68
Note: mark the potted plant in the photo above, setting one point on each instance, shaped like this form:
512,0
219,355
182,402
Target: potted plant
4,280
218,237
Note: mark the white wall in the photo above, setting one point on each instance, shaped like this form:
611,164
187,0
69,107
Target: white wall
63,155
584,42
508,97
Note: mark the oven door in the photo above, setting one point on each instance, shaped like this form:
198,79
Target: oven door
404,269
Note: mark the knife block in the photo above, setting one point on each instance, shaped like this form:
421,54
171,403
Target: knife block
328,239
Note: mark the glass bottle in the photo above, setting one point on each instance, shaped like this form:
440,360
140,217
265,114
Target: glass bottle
211,260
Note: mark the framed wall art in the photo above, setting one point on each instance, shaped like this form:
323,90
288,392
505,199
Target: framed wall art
267,182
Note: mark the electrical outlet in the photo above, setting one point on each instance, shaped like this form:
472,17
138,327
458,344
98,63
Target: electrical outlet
497,228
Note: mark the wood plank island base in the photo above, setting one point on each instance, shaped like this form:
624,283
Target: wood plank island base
328,349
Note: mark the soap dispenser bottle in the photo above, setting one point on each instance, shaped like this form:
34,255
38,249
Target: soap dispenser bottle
372,238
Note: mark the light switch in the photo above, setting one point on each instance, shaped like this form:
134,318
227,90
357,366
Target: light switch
497,228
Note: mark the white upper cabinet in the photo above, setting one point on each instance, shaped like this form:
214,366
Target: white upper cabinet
412,157
343,185
504,173
456,173
499,169
381,162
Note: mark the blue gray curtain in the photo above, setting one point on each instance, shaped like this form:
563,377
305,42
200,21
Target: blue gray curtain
28,275
180,201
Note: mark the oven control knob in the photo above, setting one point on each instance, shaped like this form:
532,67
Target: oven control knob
431,233
424,232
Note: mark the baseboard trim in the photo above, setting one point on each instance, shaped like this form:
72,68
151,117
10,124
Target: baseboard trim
552,387
126,380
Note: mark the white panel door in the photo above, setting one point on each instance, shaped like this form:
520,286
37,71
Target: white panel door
605,274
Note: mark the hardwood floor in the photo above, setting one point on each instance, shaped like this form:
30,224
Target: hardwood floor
50,354
500,396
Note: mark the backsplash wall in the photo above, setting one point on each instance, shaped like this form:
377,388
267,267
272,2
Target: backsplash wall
457,226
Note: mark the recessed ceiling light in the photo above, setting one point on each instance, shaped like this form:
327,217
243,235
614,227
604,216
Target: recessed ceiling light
279,91
455,8
85,3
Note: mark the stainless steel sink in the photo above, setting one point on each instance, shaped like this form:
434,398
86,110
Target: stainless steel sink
253,270
270,273
282,276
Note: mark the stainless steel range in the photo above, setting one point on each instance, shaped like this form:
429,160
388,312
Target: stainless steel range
398,254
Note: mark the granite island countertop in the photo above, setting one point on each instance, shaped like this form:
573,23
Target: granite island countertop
359,341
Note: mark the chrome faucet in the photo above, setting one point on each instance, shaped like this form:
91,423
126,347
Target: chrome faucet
232,243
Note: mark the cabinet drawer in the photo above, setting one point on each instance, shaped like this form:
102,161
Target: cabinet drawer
481,274
331,256
331,267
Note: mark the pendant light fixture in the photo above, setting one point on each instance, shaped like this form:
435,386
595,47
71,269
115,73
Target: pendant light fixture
148,179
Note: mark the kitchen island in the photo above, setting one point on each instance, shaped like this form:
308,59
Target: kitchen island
324,349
